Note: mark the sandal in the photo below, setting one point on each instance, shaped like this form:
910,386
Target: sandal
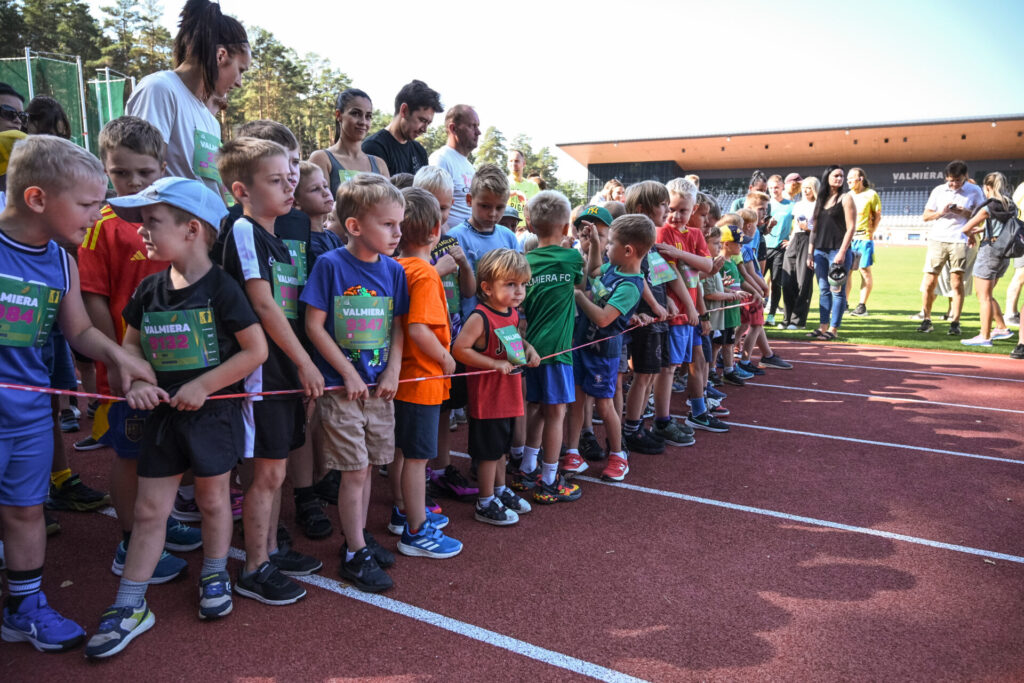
828,336
816,334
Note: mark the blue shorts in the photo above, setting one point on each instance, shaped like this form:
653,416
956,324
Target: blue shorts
25,467
550,384
416,430
120,427
681,343
863,253
596,375
59,362
705,343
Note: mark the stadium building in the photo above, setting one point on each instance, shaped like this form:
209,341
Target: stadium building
903,160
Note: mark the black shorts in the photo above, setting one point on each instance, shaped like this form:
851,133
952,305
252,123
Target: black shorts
209,441
490,439
705,342
458,394
416,430
728,336
280,427
762,250
649,351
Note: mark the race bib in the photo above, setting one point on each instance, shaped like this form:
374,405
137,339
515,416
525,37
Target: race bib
297,250
204,155
691,277
599,293
660,271
27,312
285,278
512,343
451,290
363,323
180,340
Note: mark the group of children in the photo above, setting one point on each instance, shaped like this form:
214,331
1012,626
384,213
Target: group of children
314,337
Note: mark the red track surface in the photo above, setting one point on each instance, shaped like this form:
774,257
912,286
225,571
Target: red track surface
634,580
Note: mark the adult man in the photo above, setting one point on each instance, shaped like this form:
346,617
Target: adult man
776,241
869,215
12,108
949,206
520,189
463,126
415,106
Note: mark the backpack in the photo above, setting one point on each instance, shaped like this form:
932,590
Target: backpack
1010,242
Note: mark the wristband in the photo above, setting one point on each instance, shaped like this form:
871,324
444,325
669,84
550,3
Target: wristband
705,317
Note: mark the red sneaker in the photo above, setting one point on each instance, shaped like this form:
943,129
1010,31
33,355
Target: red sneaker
616,469
573,463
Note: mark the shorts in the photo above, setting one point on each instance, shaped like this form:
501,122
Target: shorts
753,313
649,351
490,439
941,253
25,467
728,336
989,265
1018,263
356,434
863,253
279,427
624,357
762,250
596,375
550,384
120,427
705,343
680,344
416,430
209,441
458,394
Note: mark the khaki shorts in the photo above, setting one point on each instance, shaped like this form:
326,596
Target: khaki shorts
941,253
358,433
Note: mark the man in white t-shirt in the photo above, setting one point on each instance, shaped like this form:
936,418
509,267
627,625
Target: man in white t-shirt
949,207
463,126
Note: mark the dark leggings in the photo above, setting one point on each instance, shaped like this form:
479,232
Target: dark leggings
797,280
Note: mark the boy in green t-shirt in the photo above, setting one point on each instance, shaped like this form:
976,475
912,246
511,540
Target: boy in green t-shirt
731,238
717,296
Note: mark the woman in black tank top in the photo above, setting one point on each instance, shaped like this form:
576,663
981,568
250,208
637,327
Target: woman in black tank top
345,158
835,218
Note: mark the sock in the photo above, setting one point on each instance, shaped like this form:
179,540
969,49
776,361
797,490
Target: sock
188,492
304,493
662,422
483,501
21,585
698,406
622,454
58,478
632,426
499,491
728,369
349,555
131,593
126,538
516,452
548,470
587,430
529,463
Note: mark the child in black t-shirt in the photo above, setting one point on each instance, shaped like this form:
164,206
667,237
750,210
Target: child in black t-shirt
193,324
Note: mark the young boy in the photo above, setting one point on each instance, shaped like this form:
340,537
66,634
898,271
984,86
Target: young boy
193,324
54,193
257,173
730,228
549,308
758,202
418,403
490,340
353,298
717,297
313,198
605,312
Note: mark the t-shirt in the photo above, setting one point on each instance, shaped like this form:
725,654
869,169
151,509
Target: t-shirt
619,290
949,227
450,282
427,307
293,229
186,332
33,281
731,315
112,262
361,301
519,194
462,173
321,242
782,212
475,244
400,158
713,283
693,242
549,306
803,210
867,203
748,251
191,132
253,253
658,291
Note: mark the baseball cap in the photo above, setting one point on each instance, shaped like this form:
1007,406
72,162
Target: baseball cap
594,213
836,276
794,177
512,212
733,233
182,193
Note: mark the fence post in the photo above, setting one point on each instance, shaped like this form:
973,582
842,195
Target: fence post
28,72
81,101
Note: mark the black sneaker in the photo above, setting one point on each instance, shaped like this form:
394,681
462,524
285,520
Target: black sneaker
269,586
495,513
52,525
861,310
775,362
91,408
954,329
74,495
292,563
707,422
1018,352
284,537
88,444
68,421
590,449
642,441
716,379
363,572
733,379
751,368
309,514
926,326
385,558
327,488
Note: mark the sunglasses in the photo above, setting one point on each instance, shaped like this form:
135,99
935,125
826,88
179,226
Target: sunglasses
11,114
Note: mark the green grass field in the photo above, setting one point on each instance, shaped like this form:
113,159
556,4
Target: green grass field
895,297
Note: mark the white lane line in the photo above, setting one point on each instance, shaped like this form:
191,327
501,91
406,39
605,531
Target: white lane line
893,349
916,372
811,520
882,397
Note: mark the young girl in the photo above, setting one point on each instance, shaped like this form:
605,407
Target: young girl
353,113
490,340
313,197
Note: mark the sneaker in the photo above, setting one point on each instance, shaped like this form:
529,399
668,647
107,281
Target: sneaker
715,378
558,491
707,422
363,572
91,408
451,483
52,525
215,596
460,415
38,624
495,513
946,315
168,568
616,469
397,523
976,341
1018,352
284,537
453,422
774,361
432,505
68,421
185,510
182,537
1012,319
269,585
383,471
741,373
1000,334
309,514
769,320
573,463
385,558
649,409
118,627
327,488
643,441
792,327
678,387
590,449
748,366
429,542
74,495
237,498
293,563
673,434
711,392
918,316
719,411
860,310
88,444
954,329
513,502
733,378
524,481
926,326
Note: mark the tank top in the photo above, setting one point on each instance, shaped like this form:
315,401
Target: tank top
830,228
588,331
337,168
494,395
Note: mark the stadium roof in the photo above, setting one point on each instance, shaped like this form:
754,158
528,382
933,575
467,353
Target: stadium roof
993,137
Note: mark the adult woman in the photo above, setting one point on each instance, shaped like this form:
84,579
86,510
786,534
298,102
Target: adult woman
353,113
47,117
797,276
990,265
613,191
211,52
835,219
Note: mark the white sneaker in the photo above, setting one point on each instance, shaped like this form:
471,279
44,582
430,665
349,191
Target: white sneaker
999,334
976,341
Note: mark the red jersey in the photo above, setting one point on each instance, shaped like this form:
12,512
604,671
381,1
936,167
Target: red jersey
494,395
693,242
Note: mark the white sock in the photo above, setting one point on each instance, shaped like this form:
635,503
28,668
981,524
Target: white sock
548,471
529,460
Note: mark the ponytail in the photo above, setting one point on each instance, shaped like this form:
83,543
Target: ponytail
201,30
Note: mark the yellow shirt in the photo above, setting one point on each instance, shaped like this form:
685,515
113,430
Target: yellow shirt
867,203
519,194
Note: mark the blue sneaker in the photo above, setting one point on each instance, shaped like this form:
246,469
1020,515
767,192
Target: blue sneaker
118,627
182,537
215,596
750,367
167,569
429,542
714,393
397,523
38,624
741,373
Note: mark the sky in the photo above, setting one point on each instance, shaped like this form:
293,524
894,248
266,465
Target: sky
600,70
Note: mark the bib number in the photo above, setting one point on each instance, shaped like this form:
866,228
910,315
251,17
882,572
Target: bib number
512,343
286,288
297,250
659,269
27,312
180,340
451,290
599,293
363,323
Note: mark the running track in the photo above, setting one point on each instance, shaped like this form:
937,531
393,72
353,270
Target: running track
863,520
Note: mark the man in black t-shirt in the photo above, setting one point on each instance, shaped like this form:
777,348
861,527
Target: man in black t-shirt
415,106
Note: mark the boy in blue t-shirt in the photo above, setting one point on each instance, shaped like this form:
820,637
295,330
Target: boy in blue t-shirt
353,297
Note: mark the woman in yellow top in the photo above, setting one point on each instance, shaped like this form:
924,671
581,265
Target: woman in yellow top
869,215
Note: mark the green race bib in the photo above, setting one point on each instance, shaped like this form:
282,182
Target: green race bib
286,288
180,340
451,290
27,312
660,271
204,155
513,344
297,249
691,278
599,294
363,323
